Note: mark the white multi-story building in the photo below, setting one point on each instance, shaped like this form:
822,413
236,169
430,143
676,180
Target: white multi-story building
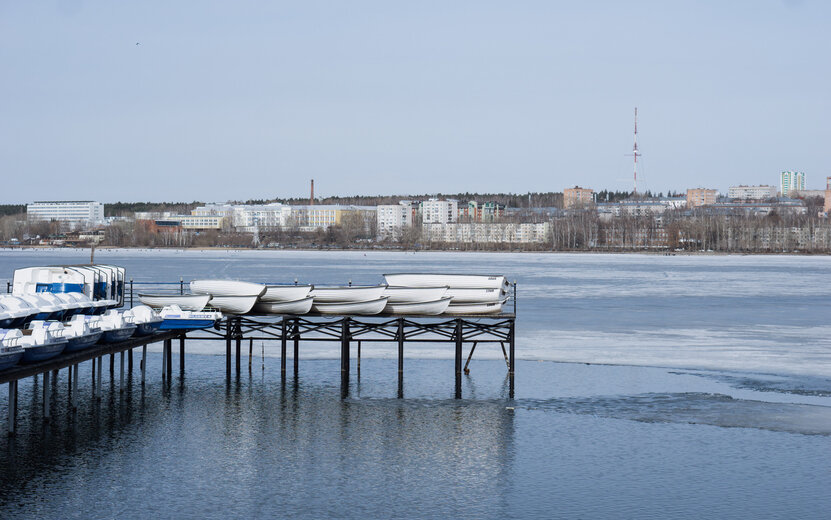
488,232
792,181
249,218
763,192
439,211
83,212
393,218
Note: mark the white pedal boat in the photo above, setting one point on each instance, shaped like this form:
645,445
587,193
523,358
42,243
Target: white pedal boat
285,293
475,308
78,334
369,307
227,288
301,306
41,344
116,328
188,302
45,309
146,320
175,318
16,312
348,294
471,281
414,294
432,308
10,350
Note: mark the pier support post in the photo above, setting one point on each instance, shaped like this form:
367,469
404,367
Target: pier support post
283,341
93,376
74,400
512,358
112,366
12,406
237,353
164,361
169,355
100,369
400,336
344,357
130,362
143,362
121,373
458,357
228,349
296,335
182,356
46,395
469,356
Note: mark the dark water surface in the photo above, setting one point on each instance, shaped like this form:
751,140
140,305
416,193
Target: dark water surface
578,441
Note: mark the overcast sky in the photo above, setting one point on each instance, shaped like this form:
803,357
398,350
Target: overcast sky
243,99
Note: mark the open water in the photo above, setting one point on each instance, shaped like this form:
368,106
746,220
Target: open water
647,387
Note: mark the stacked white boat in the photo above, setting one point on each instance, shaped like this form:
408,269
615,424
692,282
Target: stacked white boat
424,294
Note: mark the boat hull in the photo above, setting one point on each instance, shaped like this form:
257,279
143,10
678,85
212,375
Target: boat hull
186,302
347,294
120,334
10,359
146,329
234,304
81,342
185,324
37,353
414,294
470,281
226,288
432,308
285,293
475,308
301,306
465,295
365,308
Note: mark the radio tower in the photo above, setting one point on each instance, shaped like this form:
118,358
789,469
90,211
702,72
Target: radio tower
635,155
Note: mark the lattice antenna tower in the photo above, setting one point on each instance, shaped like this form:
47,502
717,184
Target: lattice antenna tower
635,154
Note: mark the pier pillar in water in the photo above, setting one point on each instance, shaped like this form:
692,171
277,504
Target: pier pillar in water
511,357
169,355
98,386
46,395
143,362
283,341
74,401
400,337
12,406
228,349
121,373
344,357
458,358
181,355
238,355
296,335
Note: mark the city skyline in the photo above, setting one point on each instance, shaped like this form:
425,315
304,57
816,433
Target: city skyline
251,100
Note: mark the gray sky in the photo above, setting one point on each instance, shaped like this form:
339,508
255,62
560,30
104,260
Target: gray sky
243,99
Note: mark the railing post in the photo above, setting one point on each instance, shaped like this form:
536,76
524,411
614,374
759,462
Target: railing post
181,285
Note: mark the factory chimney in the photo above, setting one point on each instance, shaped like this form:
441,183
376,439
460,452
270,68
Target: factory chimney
312,198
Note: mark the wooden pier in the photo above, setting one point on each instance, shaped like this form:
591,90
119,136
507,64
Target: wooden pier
457,331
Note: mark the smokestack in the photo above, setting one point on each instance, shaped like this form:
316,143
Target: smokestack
312,198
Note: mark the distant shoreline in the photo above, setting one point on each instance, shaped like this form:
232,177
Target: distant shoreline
372,250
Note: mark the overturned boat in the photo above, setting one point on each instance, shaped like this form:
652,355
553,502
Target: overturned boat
227,288
285,293
472,281
432,308
366,308
301,306
348,294
414,294
188,302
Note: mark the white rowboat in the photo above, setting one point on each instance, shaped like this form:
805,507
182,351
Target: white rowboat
475,308
472,281
285,293
226,288
351,294
423,308
187,302
301,306
234,304
414,294
476,295
366,307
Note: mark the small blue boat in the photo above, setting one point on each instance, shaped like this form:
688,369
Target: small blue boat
177,319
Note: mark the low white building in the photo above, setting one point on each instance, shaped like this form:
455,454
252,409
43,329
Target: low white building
439,211
393,218
249,218
78,212
762,192
639,207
